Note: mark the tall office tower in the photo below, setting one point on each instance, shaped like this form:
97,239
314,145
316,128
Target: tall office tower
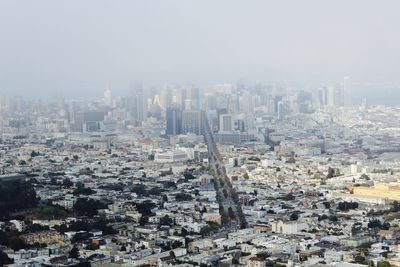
246,102
364,105
194,95
191,121
166,97
184,96
277,99
137,104
346,90
304,101
92,121
108,96
76,124
211,101
331,99
281,110
322,97
187,105
241,85
226,123
176,96
174,121
269,103
190,93
239,123
18,103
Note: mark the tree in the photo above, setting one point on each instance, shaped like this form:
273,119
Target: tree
87,207
356,228
16,243
331,173
81,190
143,220
344,206
176,244
145,207
188,175
395,206
263,255
383,264
365,177
231,213
291,160
67,183
333,218
34,154
4,259
183,197
184,232
73,253
359,259
166,220
327,205
294,216
16,196
289,196
205,230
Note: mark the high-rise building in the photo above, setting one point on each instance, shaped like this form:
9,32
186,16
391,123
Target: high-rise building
277,99
211,101
331,99
192,94
304,101
191,121
226,123
322,97
108,97
92,121
174,121
281,110
188,104
137,104
166,97
346,91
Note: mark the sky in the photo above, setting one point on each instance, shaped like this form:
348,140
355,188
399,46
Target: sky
76,47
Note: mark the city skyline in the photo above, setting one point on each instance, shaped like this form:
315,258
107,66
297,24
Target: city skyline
228,133
44,52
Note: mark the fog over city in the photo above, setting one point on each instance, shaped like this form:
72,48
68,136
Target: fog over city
75,48
199,133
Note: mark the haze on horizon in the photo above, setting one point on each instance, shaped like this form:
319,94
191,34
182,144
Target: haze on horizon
75,48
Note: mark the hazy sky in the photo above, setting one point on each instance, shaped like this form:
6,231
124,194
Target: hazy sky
77,46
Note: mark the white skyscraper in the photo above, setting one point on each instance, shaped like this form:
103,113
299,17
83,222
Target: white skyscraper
346,91
108,96
226,123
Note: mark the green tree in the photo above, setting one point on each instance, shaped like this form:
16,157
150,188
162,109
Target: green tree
166,220
263,255
16,243
4,259
294,216
383,264
87,207
16,196
73,253
395,206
